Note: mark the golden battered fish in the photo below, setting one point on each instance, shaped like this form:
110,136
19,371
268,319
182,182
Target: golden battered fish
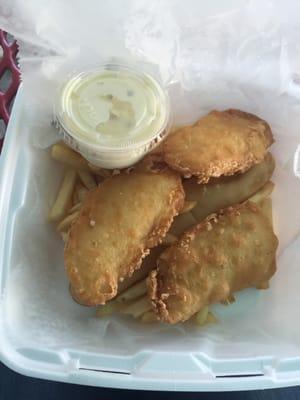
221,255
221,143
118,223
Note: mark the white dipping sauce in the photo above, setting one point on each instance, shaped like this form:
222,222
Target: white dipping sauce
112,115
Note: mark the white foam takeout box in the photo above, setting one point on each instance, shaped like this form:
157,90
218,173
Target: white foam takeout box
43,333
256,342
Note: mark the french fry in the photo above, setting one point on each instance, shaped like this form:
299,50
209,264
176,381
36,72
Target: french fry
109,308
148,317
201,316
65,224
188,206
62,153
102,172
64,236
134,292
137,308
75,198
60,206
181,223
87,179
80,192
69,205
225,191
76,207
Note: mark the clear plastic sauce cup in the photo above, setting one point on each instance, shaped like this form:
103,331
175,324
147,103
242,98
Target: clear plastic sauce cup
112,115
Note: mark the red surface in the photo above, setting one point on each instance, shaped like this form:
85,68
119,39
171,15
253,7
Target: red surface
8,62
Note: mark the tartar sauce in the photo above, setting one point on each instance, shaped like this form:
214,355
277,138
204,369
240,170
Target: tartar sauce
112,115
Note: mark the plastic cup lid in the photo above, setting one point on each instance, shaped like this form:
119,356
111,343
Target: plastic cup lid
112,107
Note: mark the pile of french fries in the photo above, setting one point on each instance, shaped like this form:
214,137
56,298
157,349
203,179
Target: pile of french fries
80,177
135,302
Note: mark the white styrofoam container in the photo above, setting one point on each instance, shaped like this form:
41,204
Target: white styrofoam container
44,334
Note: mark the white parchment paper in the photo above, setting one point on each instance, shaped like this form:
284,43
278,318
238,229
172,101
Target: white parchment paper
237,54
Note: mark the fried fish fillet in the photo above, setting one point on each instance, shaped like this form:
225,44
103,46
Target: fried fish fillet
148,264
118,223
222,254
220,143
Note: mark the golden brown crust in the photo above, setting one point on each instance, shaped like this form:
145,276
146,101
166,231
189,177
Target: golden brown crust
117,225
220,143
222,254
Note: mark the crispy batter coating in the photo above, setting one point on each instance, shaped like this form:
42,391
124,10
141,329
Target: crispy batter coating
117,225
148,264
215,258
221,143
